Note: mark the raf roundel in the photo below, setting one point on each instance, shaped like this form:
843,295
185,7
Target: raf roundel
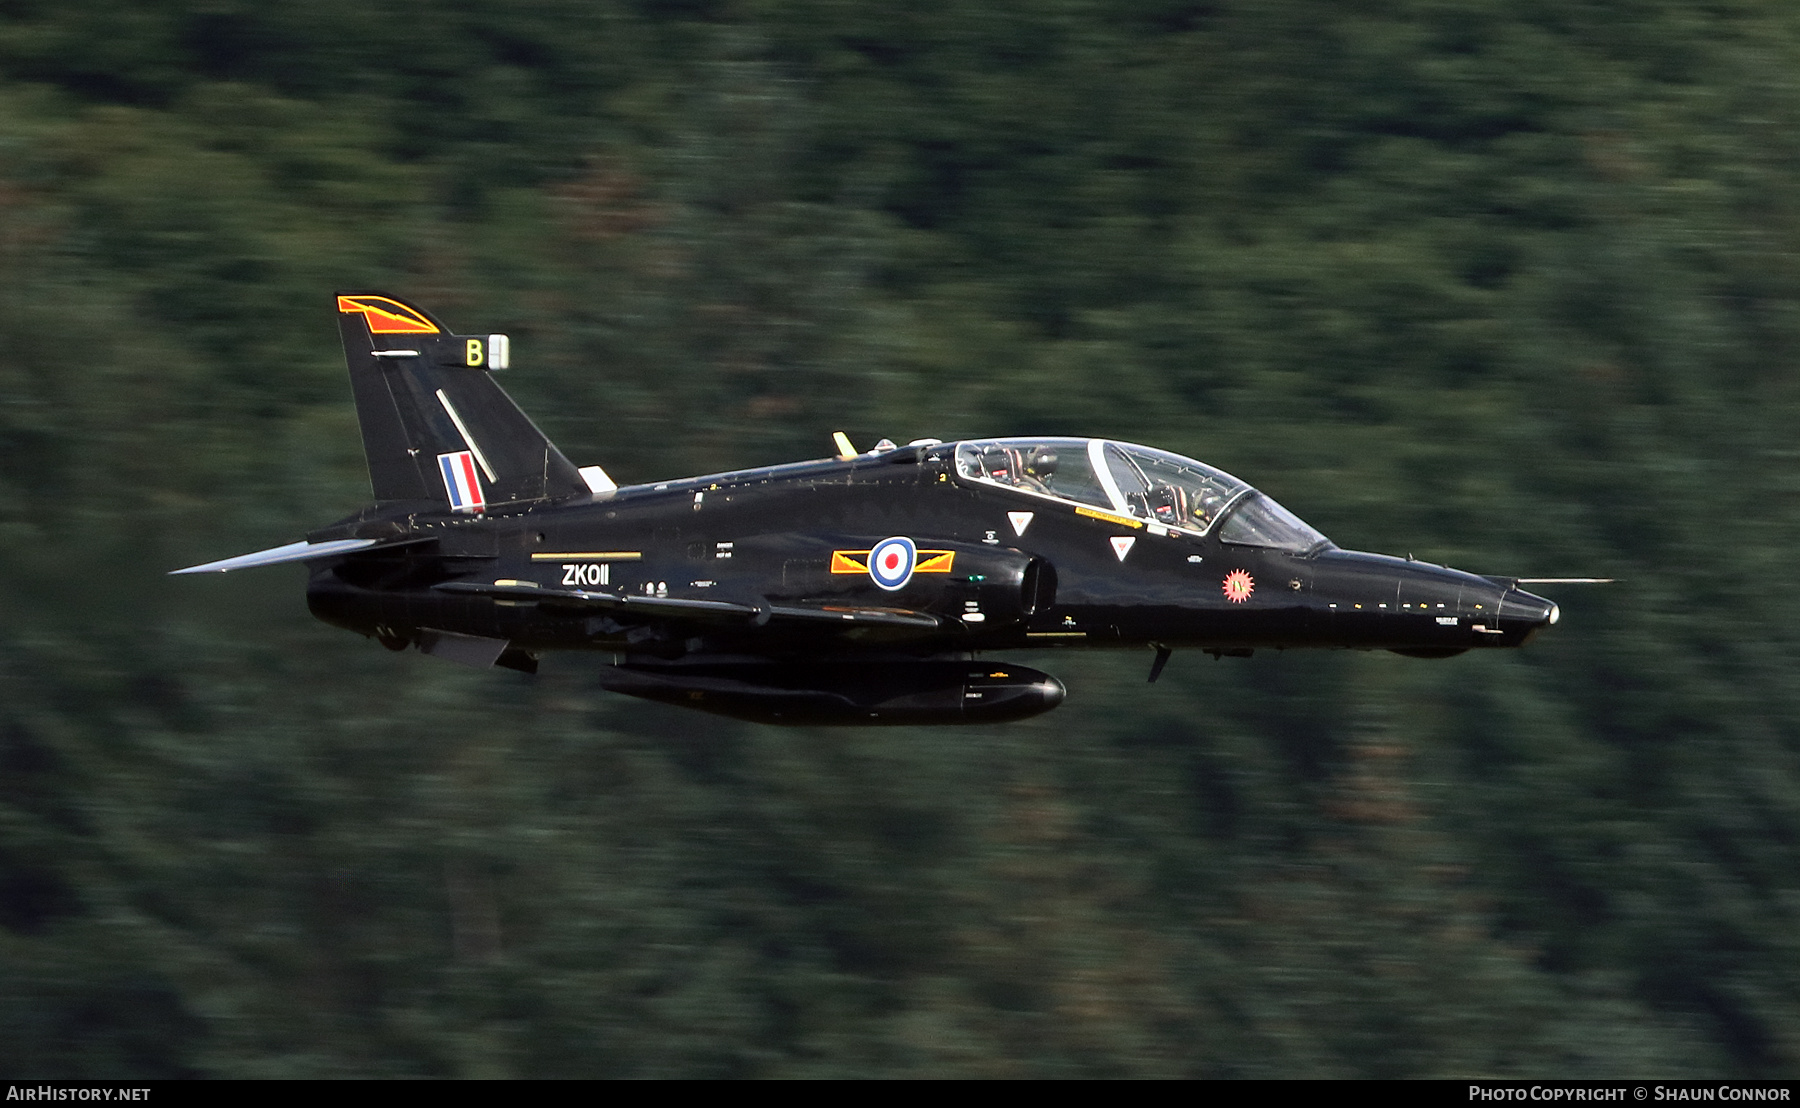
891,562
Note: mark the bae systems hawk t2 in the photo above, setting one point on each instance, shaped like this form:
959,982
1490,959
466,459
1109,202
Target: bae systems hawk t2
866,588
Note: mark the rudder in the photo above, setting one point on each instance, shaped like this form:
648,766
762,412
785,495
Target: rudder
437,430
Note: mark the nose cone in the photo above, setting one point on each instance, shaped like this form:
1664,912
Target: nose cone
1524,614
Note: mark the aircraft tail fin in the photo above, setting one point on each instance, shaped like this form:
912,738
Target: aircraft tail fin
437,430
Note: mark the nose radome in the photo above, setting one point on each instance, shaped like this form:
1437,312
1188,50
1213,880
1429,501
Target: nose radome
1527,612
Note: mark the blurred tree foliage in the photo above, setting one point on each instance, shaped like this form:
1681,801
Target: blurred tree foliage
1510,285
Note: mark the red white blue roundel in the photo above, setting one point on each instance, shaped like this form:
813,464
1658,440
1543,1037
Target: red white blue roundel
891,562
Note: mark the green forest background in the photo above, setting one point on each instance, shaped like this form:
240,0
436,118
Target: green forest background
1508,284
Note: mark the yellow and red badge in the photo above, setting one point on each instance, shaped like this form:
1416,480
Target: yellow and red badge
857,561
387,317
1238,586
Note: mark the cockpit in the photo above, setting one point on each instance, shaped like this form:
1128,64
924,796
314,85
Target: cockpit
1152,485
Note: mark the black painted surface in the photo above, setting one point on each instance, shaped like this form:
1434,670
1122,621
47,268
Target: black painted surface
755,571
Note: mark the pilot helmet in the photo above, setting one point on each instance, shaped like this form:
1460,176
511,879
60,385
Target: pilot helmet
1042,464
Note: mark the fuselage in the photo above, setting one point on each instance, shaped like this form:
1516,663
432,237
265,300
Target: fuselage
864,589
1003,563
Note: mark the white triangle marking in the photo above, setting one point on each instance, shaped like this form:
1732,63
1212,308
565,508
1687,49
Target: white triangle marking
1020,521
1122,545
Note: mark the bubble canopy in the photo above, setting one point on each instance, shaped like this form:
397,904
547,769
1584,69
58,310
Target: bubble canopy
1139,481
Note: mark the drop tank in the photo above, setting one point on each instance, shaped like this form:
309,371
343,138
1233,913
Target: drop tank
845,694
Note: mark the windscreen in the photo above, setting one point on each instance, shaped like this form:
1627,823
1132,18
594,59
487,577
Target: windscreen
1259,521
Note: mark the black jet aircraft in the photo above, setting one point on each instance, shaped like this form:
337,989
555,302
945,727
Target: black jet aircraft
864,588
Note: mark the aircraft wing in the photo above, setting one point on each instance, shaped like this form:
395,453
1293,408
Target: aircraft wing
582,600
834,615
840,614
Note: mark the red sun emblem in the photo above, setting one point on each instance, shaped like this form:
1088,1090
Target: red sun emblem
1238,586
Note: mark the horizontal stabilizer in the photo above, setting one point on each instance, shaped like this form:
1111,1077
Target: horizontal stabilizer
292,552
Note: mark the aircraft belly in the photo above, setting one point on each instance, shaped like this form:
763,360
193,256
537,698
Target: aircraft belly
1167,589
